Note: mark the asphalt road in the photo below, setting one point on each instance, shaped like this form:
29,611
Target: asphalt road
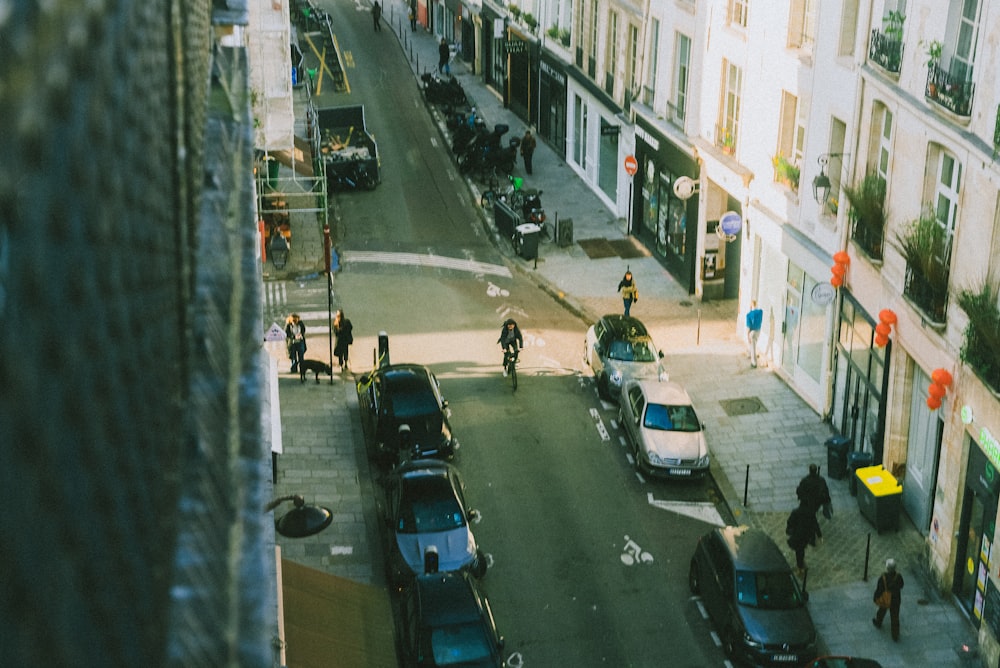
588,566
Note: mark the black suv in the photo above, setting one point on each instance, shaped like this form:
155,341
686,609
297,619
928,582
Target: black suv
446,620
406,411
749,591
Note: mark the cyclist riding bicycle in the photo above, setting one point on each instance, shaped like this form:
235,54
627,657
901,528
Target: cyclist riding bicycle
510,336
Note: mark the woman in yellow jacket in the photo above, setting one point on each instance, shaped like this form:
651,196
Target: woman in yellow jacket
630,293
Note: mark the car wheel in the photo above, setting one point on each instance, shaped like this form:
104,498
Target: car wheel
729,642
693,583
603,387
479,565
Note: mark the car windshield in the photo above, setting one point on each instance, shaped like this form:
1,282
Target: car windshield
459,644
662,417
769,591
414,404
429,505
636,350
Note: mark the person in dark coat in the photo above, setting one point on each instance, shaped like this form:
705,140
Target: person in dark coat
528,144
814,493
343,330
892,582
295,337
444,55
802,529
377,15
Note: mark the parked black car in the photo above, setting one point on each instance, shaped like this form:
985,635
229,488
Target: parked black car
749,591
446,621
406,411
425,511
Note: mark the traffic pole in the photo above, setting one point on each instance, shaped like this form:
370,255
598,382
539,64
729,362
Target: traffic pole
327,247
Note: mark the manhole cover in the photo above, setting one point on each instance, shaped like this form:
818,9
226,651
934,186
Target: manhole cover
742,406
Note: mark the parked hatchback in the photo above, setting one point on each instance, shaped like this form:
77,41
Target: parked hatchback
663,429
426,513
447,621
749,591
406,410
619,348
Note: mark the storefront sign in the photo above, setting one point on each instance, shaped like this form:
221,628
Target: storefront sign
516,46
559,77
990,446
650,140
610,130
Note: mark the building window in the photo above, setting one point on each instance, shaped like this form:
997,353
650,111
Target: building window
791,137
802,24
848,28
965,38
736,14
592,58
946,184
633,61
611,61
884,149
729,114
682,64
649,89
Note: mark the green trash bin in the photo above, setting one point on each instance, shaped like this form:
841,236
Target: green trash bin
272,172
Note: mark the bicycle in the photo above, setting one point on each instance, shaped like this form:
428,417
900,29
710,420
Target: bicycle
510,355
514,196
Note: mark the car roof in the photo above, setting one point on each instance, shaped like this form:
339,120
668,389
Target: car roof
752,549
447,598
666,392
405,377
624,327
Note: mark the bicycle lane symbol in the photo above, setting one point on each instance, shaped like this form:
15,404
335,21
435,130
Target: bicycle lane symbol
632,554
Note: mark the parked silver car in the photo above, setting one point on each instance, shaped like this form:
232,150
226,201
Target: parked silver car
619,348
663,429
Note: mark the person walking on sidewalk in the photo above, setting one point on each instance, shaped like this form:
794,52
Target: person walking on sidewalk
343,330
802,529
413,16
295,337
444,55
814,493
629,290
377,16
527,149
890,583
755,318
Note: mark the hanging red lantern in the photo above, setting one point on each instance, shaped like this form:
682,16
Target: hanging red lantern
887,316
881,340
936,390
841,257
883,328
941,377
838,270
933,403
836,281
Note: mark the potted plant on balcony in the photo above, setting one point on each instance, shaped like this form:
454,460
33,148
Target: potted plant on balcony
981,344
924,246
728,142
553,31
892,26
531,21
867,200
785,171
515,11
934,52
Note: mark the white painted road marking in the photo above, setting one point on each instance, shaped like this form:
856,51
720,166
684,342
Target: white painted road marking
699,510
424,260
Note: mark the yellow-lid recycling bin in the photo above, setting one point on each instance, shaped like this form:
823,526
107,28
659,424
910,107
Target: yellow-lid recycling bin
879,496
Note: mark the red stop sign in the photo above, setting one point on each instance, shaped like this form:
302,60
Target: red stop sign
631,166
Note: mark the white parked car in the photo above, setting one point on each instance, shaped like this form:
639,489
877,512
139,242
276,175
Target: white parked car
618,348
663,429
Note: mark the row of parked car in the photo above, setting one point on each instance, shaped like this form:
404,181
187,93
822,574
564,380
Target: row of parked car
432,559
743,580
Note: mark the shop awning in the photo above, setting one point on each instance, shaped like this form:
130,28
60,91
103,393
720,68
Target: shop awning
332,621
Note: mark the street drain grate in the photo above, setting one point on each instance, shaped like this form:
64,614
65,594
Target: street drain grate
742,406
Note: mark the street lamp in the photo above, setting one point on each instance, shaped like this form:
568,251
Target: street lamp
821,184
302,520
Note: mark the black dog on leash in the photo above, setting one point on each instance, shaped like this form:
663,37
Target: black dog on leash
316,367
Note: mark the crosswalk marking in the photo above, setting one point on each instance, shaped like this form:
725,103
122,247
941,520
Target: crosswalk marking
424,260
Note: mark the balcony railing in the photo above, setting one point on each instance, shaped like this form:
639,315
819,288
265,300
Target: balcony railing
885,51
929,297
948,91
868,237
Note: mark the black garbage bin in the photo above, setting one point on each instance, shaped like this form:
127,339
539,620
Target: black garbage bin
526,240
505,218
837,448
857,460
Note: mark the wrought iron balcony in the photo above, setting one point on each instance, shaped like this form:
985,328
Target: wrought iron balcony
948,91
930,297
867,236
885,51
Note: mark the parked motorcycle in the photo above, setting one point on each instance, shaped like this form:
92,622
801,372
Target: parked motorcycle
445,92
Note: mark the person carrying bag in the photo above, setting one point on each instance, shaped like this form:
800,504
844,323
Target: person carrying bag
888,598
